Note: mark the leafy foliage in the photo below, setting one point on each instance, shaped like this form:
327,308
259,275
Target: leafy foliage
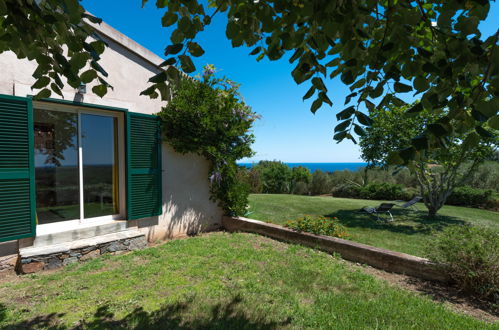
38,30
380,49
467,196
207,116
318,225
438,170
276,177
470,256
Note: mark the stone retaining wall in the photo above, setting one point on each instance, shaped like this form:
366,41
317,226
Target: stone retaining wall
391,261
55,260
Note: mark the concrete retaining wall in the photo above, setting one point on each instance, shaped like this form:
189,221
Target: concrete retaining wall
391,261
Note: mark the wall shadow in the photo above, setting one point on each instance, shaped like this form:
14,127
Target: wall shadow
405,221
222,316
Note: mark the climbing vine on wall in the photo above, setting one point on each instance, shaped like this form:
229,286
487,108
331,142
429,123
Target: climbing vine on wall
209,117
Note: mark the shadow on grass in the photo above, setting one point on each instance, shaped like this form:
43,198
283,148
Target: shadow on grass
222,316
405,221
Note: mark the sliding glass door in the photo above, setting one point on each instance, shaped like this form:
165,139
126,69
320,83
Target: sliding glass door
99,165
77,161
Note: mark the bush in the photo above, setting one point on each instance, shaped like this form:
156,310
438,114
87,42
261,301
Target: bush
321,184
300,188
275,177
383,191
379,191
318,225
470,256
347,191
467,196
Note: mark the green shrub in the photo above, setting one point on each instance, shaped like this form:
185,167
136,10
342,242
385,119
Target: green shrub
321,183
300,188
275,177
318,225
379,191
383,191
467,196
470,256
208,117
346,191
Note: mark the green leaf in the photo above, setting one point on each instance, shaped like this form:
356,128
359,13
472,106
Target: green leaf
483,132
402,88
170,61
100,90
488,108
471,141
394,158
345,113
363,118
158,78
359,130
407,153
420,142
169,18
316,105
40,83
173,49
437,129
186,63
195,49
323,96
309,94
256,50
88,76
418,107
421,84
343,125
347,77
340,136
494,122
43,94
319,84
56,89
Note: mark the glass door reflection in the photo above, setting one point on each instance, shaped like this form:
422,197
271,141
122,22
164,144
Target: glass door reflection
56,166
99,165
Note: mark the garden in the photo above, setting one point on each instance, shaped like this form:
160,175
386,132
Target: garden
220,280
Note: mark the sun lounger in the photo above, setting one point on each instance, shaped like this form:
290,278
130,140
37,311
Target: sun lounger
381,209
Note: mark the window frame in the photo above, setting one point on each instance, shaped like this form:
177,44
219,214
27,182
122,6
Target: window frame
79,109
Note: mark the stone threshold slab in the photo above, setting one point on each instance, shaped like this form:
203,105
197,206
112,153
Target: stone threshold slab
78,244
391,261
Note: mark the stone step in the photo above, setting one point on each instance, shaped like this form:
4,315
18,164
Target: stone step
79,232
33,259
32,251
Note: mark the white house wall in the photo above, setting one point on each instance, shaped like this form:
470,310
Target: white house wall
186,204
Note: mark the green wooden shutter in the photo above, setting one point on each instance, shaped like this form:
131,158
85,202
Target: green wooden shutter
144,196
17,177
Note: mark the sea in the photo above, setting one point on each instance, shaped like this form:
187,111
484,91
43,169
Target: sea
325,167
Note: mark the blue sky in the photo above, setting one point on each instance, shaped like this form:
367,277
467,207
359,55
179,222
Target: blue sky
288,131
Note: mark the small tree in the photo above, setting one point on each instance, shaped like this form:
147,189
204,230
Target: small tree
321,183
276,177
300,179
438,170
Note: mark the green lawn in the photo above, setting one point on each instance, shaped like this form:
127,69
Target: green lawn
409,232
219,280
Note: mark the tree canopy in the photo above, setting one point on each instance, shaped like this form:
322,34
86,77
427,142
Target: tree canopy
379,48
438,170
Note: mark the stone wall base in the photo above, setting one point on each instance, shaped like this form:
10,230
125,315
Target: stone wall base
32,264
8,264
